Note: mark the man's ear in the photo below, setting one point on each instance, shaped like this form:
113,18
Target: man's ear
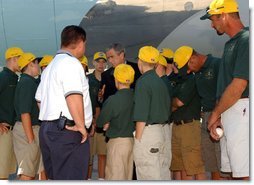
122,55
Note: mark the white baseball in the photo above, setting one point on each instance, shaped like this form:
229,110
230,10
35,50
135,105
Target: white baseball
219,132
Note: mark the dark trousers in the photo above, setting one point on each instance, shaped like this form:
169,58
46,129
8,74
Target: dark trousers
64,157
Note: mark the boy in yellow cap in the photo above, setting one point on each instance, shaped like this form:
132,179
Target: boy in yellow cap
151,113
168,54
186,131
46,59
232,110
161,69
206,68
97,139
84,61
116,119
44,62
8,82
26,129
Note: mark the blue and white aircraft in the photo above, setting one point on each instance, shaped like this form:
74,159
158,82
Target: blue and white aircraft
35,25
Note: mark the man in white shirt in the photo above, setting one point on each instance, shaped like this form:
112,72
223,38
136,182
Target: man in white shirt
65,110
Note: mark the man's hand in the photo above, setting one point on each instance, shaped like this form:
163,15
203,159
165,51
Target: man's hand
3,129
91,133
105,127
213,132
140,126
81,130
101,93
213,120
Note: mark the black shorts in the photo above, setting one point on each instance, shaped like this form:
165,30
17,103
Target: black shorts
64,157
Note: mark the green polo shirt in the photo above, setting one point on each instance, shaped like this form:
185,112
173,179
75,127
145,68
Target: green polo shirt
152,100
235,62
24,101
167,83
173,81
206,82
8,82
94,86
186,92
117,110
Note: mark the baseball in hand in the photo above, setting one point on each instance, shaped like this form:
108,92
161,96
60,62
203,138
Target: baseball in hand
219,132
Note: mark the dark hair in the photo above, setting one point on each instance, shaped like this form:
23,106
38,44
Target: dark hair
119,48
25,68
71,35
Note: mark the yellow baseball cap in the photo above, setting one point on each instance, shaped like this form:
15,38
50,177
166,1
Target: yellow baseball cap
167,53
219,7
162,61
182,56
99,55
149,54
124,73
13,52
83,60
46,60
25,59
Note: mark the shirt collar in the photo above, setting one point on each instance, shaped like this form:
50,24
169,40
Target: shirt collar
10,72
60,51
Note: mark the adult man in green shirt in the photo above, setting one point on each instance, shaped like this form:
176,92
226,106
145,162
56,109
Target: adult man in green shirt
151,113
206,68
232,109
8,82
186,128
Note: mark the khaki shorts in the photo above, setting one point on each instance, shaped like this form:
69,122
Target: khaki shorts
186,148
28,155
210,148
119,164
151,155
99,144
91,155
8,164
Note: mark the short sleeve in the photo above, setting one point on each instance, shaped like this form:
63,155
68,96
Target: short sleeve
142,99
26,98
241,69
72,77
38,94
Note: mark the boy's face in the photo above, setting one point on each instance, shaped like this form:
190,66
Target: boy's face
36,67
100,65
140,66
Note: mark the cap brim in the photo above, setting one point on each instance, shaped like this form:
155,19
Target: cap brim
100,58
206,16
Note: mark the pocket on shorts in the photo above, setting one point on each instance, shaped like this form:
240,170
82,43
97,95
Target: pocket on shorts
146,155
64,137
33,150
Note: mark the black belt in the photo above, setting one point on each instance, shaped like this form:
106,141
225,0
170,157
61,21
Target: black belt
99,130
180,122
68,122
244,97
164,123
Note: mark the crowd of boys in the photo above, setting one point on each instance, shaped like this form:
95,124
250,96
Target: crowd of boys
151,120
